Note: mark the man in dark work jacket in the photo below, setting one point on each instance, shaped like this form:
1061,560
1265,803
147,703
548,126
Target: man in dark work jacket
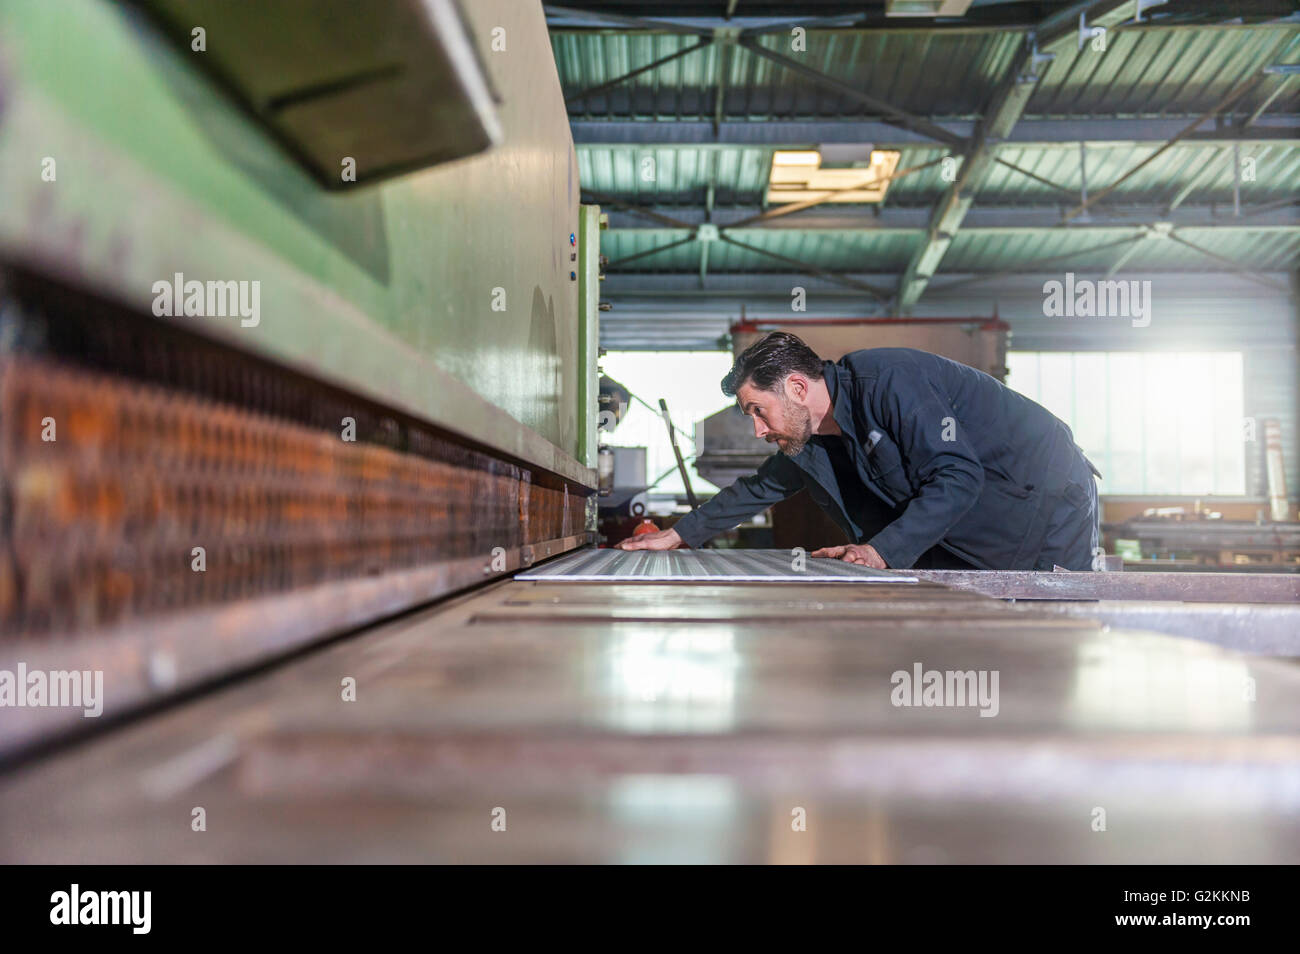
924,462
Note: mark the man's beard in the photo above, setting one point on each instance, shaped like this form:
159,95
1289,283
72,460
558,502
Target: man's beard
799,422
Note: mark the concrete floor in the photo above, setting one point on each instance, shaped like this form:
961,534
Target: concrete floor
661,722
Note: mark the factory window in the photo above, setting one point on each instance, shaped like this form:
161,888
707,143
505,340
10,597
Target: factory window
1152,422
690,382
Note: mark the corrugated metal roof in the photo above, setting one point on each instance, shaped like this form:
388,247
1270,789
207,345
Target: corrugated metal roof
1156,71
1207,168
972,250
679,175
619,244
676,174
914,71
992,250
840,251
1163,71
1144,72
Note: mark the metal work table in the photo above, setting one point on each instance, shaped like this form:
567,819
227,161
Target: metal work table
657,721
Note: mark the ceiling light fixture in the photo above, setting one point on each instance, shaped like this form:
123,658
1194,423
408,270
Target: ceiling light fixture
798,175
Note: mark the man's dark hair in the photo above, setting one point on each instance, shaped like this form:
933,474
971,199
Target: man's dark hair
767,361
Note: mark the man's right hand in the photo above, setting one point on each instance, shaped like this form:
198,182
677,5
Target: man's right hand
662,540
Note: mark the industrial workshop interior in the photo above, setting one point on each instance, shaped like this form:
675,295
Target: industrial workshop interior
689,432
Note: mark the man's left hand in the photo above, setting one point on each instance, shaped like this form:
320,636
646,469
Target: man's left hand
861,554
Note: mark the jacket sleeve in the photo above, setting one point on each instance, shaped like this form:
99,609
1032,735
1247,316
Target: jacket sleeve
949,473
776,479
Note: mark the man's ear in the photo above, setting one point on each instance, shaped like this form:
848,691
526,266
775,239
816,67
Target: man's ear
796,386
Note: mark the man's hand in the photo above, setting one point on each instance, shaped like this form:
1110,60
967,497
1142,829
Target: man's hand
663,540
861,554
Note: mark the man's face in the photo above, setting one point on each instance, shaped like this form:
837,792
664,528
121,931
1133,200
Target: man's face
780,417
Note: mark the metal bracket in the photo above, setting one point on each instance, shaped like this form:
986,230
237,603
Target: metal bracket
1087,33
1142,5
1037,60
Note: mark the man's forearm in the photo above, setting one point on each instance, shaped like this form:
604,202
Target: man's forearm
709,519
733,505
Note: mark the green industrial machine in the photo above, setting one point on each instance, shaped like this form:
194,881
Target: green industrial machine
123,162
328,254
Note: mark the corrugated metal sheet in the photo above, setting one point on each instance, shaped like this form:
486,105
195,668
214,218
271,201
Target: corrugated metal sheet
1207,168
734,566
1143,72
617,245
995,250
1153,71
676,174
1159,71
911,69
680,174
843,251
972,250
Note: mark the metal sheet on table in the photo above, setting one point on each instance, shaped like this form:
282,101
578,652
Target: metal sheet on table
678,566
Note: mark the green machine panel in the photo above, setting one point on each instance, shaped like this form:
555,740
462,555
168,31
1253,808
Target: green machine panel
450,293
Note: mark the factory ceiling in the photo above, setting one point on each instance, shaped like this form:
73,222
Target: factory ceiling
1033,137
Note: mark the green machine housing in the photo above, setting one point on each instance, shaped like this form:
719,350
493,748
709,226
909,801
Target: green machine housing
411,407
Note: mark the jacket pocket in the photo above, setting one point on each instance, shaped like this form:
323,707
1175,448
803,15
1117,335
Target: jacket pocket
1015,490
885,469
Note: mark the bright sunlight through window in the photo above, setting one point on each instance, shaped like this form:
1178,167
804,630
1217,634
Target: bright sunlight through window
1152,422
690,382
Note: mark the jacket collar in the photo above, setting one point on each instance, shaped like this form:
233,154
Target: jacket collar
837,384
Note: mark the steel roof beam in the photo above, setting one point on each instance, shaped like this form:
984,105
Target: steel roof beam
875,291
604,20
1268,100
1232,264
1281,215
620,80
1035,176
950,210
768,293
636,257
991,18
663,218
1233,95
1030,132
1005,108
890,115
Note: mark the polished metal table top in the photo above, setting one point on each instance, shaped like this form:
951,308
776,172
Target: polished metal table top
699,722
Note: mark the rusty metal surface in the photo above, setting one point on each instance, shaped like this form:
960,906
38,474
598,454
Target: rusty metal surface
771,566
103,519
1192,587
146,661
635,735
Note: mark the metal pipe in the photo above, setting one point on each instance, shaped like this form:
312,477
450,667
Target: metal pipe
681,464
